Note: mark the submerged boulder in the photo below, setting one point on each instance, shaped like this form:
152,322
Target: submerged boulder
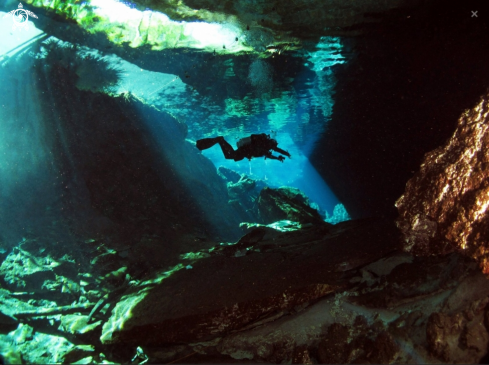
228,175
296,293
286,203
241,187
444,207
243,193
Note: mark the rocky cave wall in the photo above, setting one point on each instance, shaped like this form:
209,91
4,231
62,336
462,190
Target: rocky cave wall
411,76
444,207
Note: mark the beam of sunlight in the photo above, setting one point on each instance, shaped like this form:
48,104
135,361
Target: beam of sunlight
13,41
21,148
26,178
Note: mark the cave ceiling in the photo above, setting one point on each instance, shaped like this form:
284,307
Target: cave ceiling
233,27
220,39
304,19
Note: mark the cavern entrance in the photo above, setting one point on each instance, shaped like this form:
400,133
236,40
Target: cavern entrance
243,182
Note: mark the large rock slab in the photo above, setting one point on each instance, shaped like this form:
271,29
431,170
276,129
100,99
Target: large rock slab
220,294
444,207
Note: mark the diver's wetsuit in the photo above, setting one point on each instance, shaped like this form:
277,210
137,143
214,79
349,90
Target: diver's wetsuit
258,145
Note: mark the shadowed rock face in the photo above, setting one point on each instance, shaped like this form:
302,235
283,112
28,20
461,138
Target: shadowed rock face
444,206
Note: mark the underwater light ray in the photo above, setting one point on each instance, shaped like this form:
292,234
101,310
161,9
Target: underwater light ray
12,43
204,206
26,172
162,87
40,37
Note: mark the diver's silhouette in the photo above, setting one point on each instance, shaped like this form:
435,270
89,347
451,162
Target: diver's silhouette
256,145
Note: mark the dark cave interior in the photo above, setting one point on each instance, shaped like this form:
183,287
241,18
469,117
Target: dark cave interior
412,75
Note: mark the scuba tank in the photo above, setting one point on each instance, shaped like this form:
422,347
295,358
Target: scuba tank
243,141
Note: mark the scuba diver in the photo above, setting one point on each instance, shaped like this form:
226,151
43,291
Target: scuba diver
256,145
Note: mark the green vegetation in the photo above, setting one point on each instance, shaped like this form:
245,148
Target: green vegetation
124,25
88,71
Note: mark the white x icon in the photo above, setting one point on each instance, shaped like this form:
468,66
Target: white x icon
474,13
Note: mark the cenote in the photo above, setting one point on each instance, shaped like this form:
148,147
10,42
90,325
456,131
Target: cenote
237,181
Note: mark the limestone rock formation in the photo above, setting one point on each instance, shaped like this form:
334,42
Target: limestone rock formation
332,349
49,289
21,271
444,207
243,193
243,186
286,203
228,175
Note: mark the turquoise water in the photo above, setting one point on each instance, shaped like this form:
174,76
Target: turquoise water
101,183
288,96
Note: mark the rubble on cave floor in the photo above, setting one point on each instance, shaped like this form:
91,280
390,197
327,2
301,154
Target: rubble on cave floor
48,301
285,292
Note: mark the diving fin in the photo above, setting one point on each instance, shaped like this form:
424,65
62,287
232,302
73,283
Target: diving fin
205,143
